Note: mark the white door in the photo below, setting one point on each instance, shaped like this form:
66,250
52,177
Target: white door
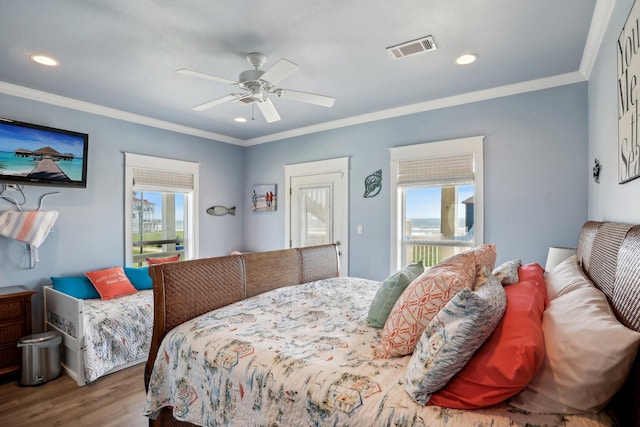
317,208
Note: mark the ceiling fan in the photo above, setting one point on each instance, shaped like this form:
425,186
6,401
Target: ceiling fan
256,84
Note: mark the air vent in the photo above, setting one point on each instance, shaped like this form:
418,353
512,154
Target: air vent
414,47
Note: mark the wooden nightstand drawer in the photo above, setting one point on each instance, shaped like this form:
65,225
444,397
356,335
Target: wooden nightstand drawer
11,310
15,322
12,333
9,357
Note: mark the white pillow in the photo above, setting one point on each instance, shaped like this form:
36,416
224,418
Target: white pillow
588,356
565,277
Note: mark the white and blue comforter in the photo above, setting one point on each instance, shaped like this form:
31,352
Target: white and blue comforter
301,356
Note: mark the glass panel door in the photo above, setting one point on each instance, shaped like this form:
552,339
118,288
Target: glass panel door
314,220
315,216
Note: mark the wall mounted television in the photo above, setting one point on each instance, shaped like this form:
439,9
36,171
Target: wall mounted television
40,155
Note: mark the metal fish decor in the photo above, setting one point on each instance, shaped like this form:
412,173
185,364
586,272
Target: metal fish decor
373,184
221,210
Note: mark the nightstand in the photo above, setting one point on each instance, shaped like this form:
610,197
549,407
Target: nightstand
15,322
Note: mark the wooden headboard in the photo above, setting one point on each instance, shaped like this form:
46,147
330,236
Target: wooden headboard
610,255
184,290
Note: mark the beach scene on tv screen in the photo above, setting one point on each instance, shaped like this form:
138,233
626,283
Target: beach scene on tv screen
40,154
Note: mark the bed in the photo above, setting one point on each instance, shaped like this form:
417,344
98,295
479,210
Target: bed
100,337
279,338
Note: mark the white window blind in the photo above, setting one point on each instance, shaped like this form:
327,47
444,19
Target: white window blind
152,179
436,172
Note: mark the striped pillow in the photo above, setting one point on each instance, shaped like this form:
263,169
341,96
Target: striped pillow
452,337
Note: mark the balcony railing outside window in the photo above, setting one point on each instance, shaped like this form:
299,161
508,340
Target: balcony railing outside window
156,249
431,253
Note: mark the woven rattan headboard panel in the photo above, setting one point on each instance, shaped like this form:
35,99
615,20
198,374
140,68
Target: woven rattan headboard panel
188,289
610,255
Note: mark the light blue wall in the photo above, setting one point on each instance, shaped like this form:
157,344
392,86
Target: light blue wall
535,173
89,233
609,200
535,182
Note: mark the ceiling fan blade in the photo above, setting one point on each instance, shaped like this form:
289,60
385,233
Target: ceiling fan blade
215,102
268,110
311,98
206,76
281,69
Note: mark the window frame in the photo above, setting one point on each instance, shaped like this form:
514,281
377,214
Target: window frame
445,148
138,161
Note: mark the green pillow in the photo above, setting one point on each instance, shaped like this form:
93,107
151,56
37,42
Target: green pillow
389,292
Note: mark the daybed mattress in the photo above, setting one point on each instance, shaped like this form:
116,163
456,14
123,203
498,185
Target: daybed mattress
302,355
116,331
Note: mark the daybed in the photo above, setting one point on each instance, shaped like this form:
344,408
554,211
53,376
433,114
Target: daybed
99,337
236,342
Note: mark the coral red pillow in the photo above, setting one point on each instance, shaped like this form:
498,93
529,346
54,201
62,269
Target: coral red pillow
510,357
421,301
155,261
111,282
531,273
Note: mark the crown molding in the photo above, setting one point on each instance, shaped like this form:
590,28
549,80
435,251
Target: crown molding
87,107
436,104
601,17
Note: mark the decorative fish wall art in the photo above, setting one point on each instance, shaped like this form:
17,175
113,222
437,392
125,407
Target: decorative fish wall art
221,210
373,184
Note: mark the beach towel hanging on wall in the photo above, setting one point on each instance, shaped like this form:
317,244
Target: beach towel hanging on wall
30,227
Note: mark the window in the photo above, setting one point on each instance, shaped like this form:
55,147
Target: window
436,198
160,208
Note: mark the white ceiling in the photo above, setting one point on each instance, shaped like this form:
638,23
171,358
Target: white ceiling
119,58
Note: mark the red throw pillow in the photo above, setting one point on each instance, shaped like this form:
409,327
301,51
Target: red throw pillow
534,273
510,357
111,282
531,272
155,261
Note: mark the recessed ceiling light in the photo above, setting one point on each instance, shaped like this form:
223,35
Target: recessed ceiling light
467,58
240,119
44,60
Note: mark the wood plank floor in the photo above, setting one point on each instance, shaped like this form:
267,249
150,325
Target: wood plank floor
114,400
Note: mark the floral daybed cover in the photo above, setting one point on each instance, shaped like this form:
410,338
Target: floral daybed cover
302,356
116,332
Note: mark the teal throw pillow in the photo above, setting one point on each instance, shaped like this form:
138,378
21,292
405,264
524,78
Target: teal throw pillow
389,292
139,277
78,287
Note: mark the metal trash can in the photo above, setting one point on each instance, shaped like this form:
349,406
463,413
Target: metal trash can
40,357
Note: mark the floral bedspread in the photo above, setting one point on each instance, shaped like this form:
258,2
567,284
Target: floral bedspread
116,332
301,356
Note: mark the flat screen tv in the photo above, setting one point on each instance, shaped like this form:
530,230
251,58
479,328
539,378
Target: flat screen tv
41,155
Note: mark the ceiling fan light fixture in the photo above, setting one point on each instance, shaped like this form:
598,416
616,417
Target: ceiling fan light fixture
466,59
44,60
240,120
255,86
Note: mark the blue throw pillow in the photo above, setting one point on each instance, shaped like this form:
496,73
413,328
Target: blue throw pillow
78,287
139,277
453,335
